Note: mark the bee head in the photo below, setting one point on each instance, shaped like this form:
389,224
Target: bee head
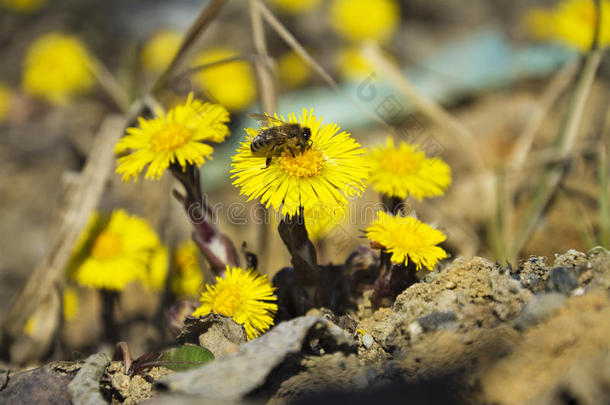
306,134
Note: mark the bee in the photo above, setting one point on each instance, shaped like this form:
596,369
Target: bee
278,138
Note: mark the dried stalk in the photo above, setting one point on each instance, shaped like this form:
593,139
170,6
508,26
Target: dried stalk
563,145
291,41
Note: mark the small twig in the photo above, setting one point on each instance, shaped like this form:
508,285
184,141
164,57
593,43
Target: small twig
122,349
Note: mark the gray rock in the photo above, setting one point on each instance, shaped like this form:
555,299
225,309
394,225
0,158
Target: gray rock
562,280
234,376
538,309
438,320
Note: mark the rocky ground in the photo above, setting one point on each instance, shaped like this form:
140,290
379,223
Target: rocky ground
473,332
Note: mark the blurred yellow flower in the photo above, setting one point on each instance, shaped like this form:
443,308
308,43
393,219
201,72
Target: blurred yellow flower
352,64
230,84
160,49
405,170
40,323
70,303
114,252
187,279
407,237
56,68
243,295
570,22
358,20
292,70
158,269
322,175
321,220
174,138
295,6
6,99
23,6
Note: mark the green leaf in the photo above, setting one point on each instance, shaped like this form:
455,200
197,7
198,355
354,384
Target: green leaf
185,357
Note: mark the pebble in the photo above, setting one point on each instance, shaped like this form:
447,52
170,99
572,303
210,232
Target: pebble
562,280
415,329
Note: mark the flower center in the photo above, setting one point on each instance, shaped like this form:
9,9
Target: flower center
306,164
106,246
227,301
170,138
400,163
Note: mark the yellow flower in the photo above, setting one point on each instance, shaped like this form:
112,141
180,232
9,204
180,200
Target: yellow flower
187,279
70,303
230,84
407,237
6,98
322,175
405,170
292,70
243,295
160,49
23,6
357,20
114,252
295,6
56,68
571,22
157,272
321,220
353,65
175,137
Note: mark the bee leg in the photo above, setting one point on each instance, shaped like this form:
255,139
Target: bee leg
267,162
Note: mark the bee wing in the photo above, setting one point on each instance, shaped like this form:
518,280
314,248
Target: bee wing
265,120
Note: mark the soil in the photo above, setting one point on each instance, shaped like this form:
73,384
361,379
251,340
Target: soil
473,332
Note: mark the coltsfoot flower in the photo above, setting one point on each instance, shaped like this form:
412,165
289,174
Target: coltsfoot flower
320,220
158,269
570,22
243,295
230,84
407,237
292,70
322,175
160,49
174,138
187,278
403,170
358,20
114,252
56,68
295,6
23,6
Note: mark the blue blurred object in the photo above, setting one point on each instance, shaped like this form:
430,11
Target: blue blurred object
480,62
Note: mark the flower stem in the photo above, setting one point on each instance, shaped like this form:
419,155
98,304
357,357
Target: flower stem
109,298
217,248
294,235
